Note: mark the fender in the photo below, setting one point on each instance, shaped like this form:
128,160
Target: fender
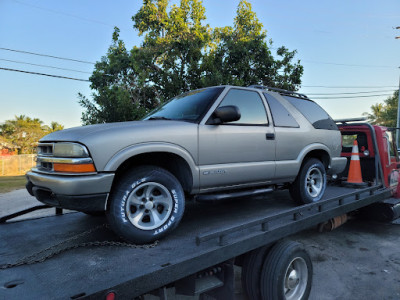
288,168
121,156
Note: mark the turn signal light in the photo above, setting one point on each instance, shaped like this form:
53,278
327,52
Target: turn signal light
74,168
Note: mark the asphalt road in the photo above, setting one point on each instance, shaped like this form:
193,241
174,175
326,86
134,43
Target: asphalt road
359,260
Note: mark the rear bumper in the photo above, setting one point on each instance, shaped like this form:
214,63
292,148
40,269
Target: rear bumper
82,193
337,165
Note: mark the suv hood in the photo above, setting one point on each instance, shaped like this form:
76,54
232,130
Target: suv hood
105,140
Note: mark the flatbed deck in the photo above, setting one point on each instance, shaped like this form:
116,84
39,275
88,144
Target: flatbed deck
208,235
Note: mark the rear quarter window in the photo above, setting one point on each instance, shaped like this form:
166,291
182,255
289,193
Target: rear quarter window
313,113
280,115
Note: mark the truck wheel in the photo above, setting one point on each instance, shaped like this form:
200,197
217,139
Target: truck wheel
310,183
251,272
286,273
146,204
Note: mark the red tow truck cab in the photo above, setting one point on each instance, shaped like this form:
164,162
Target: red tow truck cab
373,142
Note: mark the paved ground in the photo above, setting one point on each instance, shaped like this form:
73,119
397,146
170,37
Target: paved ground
19,200
360,260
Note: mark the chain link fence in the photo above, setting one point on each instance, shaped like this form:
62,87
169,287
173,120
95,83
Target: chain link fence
16,164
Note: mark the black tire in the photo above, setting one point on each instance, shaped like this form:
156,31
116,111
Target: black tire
146,204
251,272
287,273
310,183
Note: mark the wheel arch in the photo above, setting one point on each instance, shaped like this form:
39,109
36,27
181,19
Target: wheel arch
319,154
173,159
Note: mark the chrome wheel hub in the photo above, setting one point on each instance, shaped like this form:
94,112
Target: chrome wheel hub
296,278
314,182
149,206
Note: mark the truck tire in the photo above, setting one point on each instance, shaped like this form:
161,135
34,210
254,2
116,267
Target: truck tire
310,183
146,204
251,272
287,273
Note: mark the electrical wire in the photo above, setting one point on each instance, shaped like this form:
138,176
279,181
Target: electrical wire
65,14
345,65
46,55
365,96
349,87
354,93
45,66
43,74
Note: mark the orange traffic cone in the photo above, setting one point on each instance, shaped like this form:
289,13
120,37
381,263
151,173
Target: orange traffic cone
355,177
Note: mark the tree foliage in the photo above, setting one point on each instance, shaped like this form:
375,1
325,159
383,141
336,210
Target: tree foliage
24,132
180,52
384,114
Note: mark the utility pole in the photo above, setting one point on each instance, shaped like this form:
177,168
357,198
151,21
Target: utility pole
398,117
398,107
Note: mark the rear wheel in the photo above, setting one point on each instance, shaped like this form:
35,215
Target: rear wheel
286,273
251,272
147,204
310,183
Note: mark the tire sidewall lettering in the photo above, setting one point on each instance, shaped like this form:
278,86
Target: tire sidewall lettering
172,217
122,208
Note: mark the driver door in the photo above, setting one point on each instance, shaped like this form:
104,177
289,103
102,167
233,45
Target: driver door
241,152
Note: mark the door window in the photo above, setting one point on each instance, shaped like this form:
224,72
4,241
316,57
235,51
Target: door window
250,105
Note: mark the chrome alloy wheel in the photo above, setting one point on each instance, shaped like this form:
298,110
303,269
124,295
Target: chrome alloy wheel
314,182
296,278
149,206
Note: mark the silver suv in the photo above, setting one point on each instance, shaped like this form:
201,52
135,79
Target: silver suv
212,143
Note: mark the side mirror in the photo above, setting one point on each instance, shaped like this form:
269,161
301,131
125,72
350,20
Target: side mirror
225,114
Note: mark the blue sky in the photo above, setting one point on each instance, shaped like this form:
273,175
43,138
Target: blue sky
340,44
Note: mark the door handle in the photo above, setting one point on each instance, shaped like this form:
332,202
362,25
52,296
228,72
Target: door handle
270,136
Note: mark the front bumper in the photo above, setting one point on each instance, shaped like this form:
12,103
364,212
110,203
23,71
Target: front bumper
82,193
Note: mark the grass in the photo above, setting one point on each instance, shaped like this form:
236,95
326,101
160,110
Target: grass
11,183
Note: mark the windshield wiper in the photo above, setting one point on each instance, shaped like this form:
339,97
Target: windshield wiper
158,118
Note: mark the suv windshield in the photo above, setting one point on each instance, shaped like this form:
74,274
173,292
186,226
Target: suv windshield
190,106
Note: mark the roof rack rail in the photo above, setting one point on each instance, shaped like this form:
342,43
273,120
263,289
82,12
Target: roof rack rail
345,121
280,91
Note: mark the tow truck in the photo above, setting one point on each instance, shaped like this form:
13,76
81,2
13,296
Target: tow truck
76,256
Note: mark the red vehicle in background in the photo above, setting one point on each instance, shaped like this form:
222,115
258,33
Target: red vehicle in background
378,159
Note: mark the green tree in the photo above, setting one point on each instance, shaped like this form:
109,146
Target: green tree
179,53
384,114
25,132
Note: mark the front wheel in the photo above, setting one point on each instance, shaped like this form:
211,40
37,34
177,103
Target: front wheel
310,183
147,203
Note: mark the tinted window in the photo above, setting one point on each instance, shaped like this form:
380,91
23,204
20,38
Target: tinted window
280,115
250,104
190,106
313,112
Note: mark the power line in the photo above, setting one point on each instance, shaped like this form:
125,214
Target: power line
43,74
345,65
46,55
365,96
45,66
353,93
349,87
65,14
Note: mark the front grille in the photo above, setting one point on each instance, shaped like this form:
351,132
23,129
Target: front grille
44,150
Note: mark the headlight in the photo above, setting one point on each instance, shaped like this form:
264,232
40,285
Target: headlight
70,150
64,158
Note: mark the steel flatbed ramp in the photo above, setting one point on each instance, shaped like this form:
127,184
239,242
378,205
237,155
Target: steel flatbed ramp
208,234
